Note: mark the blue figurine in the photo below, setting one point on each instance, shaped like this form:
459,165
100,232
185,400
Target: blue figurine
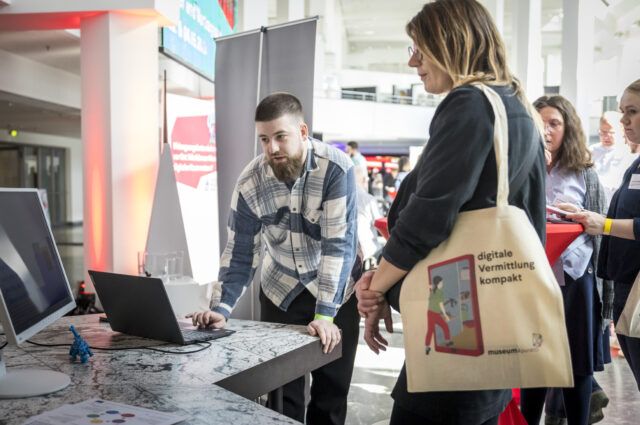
79,347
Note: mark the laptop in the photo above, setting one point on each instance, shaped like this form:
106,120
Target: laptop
139,306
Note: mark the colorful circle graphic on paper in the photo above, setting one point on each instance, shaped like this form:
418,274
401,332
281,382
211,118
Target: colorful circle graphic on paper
107,417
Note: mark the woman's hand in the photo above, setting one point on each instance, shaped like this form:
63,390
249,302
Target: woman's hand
592,222
568,207
368,301
372,336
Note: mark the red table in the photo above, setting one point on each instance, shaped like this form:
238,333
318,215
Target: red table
559,237
381,225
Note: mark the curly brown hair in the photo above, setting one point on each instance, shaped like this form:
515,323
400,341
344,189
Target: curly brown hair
574,154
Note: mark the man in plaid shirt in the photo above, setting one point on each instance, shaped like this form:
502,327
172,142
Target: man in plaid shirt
299,198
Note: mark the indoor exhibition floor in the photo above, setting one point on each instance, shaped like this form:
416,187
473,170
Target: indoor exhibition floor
374,375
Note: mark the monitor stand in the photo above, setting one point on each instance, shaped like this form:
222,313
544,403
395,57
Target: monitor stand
21,383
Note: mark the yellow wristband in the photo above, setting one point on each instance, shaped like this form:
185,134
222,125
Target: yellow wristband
323,317
607,226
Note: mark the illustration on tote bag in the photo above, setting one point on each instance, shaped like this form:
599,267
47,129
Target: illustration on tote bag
453,315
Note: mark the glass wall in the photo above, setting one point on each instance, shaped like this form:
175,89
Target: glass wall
38,167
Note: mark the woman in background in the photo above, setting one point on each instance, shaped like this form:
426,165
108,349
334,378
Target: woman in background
571,178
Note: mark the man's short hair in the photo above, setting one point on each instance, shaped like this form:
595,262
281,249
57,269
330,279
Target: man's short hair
353,145
278,104
611,117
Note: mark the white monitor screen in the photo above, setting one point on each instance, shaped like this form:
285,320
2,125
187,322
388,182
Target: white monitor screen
35,290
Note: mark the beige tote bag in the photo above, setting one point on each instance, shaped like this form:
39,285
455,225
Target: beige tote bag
629,321
484,310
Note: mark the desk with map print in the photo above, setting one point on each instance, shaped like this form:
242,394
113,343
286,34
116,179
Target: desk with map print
215,385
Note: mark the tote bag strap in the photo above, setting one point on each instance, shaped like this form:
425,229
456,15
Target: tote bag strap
500,143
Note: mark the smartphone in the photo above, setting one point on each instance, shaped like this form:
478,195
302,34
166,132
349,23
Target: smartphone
453,314
557,211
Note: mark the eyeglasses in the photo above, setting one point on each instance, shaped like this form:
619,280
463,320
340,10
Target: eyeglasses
415,52
553,125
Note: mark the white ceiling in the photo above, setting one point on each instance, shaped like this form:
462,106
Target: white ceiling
375,40
59,49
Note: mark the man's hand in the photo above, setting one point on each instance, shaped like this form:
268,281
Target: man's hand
207,319
328,332
368,301
372,336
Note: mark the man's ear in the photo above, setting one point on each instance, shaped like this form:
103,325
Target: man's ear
304,130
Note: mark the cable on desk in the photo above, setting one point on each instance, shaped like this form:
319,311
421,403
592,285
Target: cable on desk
202,348
208,344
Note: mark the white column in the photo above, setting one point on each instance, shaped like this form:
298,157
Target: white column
527,49
252,14
119,62
628,63
290,10
496,9
577,55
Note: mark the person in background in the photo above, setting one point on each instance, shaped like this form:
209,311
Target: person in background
376,183
353,150
456,43
619,260
403,170
298,200
610,157
389,183
368,212
571,178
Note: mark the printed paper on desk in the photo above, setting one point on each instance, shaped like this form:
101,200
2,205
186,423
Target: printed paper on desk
635,182
90,412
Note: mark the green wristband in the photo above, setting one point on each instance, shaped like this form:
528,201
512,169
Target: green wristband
323,317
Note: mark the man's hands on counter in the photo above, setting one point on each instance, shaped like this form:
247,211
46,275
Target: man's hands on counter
207,319
328,332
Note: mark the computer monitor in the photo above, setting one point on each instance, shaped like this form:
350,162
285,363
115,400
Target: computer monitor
34,290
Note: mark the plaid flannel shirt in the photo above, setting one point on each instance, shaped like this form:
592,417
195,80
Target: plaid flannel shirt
309,232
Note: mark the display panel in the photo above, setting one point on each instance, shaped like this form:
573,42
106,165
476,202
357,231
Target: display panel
191,42
33,285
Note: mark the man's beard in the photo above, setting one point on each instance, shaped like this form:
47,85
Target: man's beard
287,171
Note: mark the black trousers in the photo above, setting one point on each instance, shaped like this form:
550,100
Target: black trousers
576,401
330,383
402,416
